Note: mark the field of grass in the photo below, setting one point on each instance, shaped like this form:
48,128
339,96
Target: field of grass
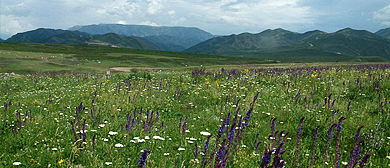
290,116
36,58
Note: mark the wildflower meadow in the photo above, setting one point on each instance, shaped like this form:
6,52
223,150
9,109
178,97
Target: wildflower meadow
257,116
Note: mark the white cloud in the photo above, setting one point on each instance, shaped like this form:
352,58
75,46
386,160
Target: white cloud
171,12
154,6
382,15
15,24
251,14
180,20
215,16
19,9
148,23
280,3
121,22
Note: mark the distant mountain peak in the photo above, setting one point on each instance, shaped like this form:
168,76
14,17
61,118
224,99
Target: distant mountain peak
58,36
347,41
384,32
163,36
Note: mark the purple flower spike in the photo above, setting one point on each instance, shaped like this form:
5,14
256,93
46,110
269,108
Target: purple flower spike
272,126
142,159
314,145
84,133
93,143
180,122
184,126
196,151
330,132
206,147
266,158
337,159
355,153
74,132
299,130
364,160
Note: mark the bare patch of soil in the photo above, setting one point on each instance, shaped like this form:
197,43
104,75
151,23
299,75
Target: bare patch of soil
127,69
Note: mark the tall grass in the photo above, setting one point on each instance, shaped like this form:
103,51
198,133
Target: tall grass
323,116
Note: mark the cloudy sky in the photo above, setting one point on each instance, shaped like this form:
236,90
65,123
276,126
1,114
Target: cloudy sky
219,17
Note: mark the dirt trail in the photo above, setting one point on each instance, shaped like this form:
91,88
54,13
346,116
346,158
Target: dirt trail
127,69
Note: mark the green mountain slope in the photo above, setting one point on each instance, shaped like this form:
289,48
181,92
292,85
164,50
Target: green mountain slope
173,38
120,41
270,43
51,36
384,32
161,43
35,36
354,42
1,40
266,41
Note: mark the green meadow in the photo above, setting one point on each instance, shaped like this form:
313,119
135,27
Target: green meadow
60,109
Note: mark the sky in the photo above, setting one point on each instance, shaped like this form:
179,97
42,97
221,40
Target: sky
219,17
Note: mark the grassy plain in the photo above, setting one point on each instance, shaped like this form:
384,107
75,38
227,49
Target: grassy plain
93,120
35,58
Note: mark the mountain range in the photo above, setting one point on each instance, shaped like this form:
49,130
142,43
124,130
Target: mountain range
267,44
160,37
1,40
52,36
347,42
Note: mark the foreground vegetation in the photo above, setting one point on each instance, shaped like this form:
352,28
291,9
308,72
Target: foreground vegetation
320,116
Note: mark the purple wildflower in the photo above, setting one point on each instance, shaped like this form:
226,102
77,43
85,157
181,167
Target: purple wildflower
266,158
84,133
330,132
180,123
142,159
280,136
196,151
205,148
93,143
313,156
140,116
285,135
221,154
355,153
274,138
133,123
364,160
257,137
272,126
299,130
184,126
337,159
278,156
74,131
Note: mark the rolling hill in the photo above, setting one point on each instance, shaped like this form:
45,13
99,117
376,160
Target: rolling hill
51,36
384,32
162,38
276,42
